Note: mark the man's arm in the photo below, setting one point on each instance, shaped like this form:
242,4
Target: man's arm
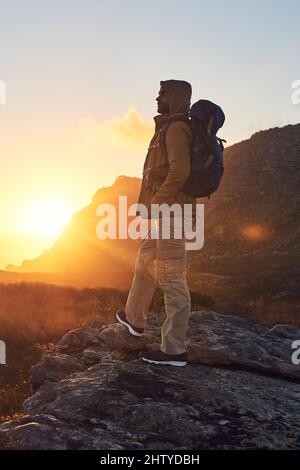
178,145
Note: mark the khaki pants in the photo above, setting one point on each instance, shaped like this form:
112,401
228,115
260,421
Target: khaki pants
162,262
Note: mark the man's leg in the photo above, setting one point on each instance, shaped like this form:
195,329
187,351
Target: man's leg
144,283
172,260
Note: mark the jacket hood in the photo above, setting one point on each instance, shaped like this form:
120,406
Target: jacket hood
179,95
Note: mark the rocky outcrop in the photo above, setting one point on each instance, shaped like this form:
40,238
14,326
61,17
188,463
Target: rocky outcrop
240,390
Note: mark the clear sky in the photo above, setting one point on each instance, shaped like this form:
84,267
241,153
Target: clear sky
81,81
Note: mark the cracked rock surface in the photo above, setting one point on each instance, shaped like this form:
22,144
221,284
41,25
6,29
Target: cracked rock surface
239,390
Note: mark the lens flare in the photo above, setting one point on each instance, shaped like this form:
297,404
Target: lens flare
255,232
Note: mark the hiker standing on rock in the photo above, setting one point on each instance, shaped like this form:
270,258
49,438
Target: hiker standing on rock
162,261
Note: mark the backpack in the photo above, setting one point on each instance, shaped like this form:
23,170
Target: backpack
207,164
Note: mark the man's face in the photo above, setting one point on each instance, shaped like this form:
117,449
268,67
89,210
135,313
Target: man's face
162,101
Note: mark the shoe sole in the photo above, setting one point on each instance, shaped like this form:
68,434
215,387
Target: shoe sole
166,363
131,330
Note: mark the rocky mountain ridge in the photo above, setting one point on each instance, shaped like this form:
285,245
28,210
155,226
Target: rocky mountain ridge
251,220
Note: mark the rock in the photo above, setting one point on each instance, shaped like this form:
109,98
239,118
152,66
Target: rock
288,332
239,391
55,366
116,337
92,356
77,340
225,339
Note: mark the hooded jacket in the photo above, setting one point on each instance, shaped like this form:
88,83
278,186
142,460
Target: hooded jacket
162,180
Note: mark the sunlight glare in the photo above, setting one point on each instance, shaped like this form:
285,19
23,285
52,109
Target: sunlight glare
45,217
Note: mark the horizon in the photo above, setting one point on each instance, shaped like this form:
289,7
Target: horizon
75,117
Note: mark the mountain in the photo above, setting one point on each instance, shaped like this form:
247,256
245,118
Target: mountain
238,391
253,218
251,223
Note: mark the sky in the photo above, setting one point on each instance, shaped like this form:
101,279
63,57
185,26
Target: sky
81,80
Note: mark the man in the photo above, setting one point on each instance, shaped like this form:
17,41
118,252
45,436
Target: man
162,261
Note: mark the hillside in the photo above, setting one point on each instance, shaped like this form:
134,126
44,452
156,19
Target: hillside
251,246
252,217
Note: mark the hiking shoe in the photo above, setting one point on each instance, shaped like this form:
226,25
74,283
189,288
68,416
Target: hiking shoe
159,357
121,317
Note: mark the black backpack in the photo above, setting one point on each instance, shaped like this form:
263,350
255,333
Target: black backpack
207,165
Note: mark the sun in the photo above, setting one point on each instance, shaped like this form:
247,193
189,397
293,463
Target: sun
45,217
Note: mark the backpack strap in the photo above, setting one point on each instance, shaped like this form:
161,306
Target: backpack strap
162,139
163,132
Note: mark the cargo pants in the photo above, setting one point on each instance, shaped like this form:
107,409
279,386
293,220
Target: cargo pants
162,262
